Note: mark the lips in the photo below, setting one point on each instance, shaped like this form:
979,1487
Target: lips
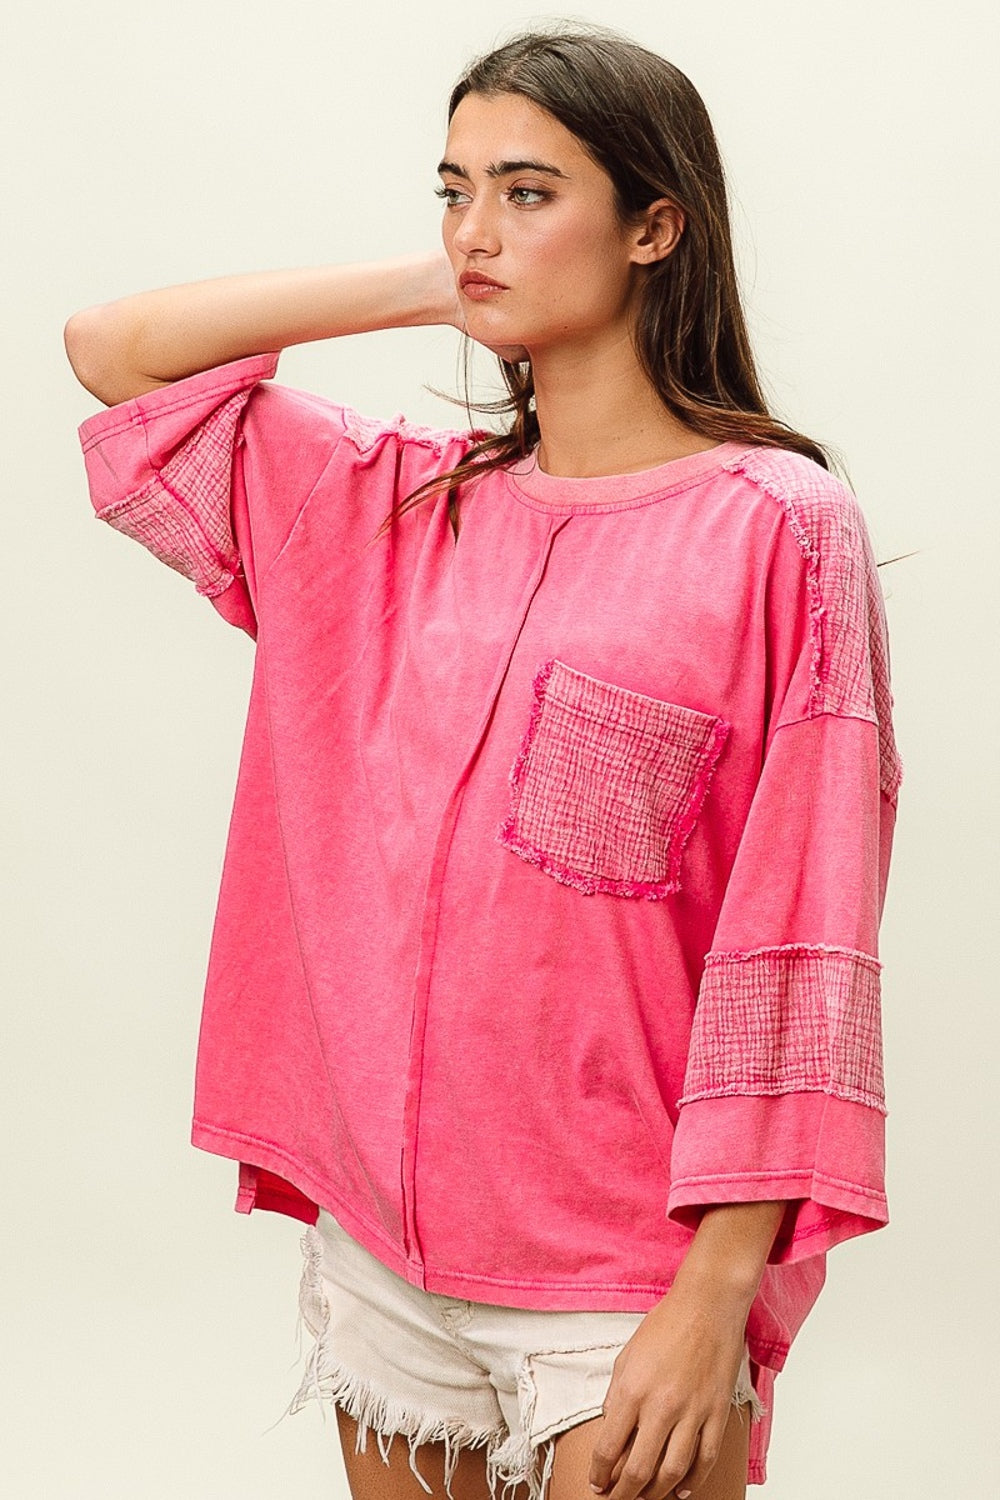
468,278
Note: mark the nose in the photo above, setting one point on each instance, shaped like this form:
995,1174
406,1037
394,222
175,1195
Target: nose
477,230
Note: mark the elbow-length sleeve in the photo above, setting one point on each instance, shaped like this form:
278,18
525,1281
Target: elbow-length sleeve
209,472
783,1093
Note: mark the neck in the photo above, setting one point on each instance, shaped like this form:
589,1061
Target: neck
599,414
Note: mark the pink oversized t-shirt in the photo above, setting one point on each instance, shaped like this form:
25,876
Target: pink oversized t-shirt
550,904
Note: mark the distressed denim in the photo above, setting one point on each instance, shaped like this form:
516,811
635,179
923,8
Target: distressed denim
401,1360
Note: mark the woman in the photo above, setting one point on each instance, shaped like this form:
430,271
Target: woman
544,983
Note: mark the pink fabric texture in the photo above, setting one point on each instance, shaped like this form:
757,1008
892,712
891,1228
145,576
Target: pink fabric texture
550,904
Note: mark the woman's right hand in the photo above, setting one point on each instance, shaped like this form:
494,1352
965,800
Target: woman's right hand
444,291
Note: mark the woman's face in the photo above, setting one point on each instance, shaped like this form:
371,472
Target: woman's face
550,237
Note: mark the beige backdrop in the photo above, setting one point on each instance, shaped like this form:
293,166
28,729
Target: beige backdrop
150,1331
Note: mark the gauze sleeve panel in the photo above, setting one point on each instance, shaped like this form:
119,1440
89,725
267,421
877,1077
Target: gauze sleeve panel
210,473
162,470
783,1093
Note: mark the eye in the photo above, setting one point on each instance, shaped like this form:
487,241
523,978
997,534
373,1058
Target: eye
448,194
538,193
445,193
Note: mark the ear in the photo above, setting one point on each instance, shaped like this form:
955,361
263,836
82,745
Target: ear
659,233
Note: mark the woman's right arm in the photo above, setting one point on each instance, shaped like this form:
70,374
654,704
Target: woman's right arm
124,348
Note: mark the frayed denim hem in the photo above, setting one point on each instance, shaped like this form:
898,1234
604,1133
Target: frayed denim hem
511,1458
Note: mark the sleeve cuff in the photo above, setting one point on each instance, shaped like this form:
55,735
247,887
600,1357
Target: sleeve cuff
825,1154
204,385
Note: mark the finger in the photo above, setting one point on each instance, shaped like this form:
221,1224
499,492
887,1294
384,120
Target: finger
612,1445
615,1476
643,1460
673,1472
706,1456
616,1472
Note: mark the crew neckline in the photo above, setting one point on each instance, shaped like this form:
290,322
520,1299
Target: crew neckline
557,492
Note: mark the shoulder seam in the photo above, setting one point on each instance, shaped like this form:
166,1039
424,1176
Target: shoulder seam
850,654
365,433
758,467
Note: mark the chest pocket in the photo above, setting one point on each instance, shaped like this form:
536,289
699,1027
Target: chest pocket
608,784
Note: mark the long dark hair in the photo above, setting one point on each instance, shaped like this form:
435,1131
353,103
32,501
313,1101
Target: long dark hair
644,122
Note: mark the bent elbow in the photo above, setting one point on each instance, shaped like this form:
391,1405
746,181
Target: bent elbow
97,341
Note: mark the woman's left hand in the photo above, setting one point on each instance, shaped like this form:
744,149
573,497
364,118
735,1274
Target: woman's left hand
670,1396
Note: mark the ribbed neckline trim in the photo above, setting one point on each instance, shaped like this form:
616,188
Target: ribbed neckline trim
604,492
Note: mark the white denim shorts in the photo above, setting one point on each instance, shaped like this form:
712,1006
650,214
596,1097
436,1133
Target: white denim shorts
432,1368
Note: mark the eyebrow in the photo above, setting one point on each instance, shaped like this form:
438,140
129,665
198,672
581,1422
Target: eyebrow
503,168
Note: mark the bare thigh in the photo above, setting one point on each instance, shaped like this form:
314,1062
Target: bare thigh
371,1478
570,1478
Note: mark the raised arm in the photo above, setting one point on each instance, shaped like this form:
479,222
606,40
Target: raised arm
124,348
